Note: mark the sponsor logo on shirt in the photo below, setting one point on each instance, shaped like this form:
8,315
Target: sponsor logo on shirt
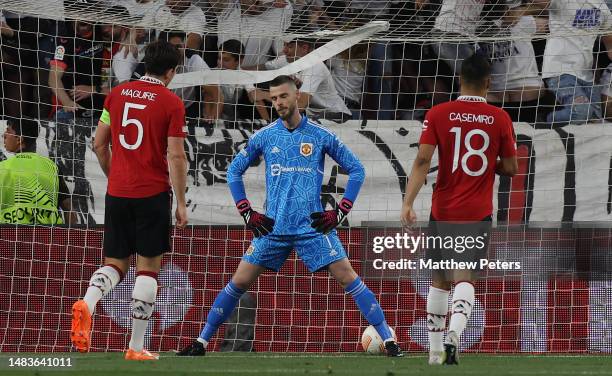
425,124
91,51
277,169
587,18
59,53
275,150
250,250
306,149
471,118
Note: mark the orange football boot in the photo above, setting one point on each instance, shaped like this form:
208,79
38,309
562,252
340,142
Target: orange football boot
81,326
143,355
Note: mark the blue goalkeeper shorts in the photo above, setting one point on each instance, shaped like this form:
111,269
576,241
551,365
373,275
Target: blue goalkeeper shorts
317,251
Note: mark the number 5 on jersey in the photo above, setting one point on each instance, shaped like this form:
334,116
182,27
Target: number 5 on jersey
125,121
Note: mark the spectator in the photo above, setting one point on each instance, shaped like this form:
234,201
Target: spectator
420,86
115,35
238,100
568,57
256,24
124,64
132,50
381,86
192,62
179,15
19,63
457,19
9,59
516,84
309,12
31,192
606,83
5,29
348,71
76,70
75,79
47,33
318,95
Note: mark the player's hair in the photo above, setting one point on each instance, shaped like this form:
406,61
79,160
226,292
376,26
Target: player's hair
161,56
475,70
169,34
283,79
233,47
26,128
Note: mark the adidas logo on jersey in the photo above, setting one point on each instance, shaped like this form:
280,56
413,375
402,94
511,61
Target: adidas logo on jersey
333,253
275,150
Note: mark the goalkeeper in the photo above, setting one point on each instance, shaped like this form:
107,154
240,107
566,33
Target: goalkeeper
294,150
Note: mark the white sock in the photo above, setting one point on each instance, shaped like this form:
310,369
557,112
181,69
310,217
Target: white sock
437,309
101,283
203,341
143,300
461,309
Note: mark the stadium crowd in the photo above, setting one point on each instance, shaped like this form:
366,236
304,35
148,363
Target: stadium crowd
551,61
63,69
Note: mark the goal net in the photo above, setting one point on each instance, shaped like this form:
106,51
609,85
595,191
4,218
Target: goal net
371,70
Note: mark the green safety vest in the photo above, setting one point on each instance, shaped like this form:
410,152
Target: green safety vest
29,185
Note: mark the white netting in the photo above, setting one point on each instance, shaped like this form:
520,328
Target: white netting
372,70
410,20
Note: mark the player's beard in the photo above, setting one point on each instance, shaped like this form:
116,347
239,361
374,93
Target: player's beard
286,115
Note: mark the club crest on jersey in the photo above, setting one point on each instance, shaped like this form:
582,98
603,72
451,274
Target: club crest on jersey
250,250
306,149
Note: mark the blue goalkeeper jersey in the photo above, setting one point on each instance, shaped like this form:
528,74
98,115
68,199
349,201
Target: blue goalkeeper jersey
294,163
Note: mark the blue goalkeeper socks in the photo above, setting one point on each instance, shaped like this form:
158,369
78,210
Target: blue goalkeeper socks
369,307
221,310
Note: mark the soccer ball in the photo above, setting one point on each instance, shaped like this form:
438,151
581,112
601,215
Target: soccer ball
371,341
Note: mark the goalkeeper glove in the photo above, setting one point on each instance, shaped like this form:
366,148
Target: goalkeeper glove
328,220
256,222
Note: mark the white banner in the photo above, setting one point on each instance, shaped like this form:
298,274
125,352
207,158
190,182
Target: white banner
566,173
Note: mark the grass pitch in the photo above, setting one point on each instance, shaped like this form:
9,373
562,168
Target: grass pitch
112,364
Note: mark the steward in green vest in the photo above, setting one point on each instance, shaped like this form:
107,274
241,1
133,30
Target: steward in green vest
29,182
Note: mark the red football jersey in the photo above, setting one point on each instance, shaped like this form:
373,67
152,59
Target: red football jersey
143,114
470,134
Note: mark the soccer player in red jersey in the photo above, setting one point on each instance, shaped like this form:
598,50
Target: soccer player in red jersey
475,140
144,122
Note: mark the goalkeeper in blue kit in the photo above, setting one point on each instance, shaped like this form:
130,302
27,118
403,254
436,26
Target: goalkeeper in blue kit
294,151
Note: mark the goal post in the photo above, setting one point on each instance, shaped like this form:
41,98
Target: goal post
388,63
